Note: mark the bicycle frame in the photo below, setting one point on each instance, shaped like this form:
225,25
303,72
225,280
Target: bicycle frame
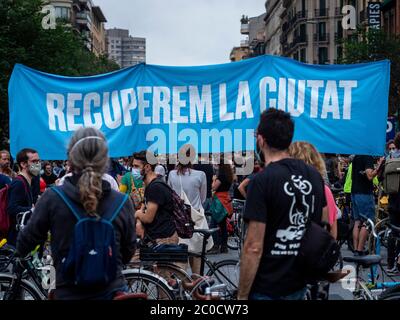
25,271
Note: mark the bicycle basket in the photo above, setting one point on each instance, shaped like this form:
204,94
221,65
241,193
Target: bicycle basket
165,253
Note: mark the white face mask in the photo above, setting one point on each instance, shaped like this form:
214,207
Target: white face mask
136,173
34,169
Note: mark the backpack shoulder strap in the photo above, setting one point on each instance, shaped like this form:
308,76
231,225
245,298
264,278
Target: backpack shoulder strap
161,182
120,200
23,182
69,204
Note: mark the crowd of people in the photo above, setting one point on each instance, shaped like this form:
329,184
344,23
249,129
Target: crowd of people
291,185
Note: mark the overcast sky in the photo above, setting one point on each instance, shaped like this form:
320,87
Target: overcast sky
182,32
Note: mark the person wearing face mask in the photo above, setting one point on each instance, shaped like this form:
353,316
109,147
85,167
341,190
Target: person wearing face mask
155,217
20,197
132,184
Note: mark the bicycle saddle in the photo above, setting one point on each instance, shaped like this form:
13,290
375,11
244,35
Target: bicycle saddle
364,261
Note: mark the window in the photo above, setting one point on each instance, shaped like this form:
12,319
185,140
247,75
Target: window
322,55
63,13
339,30
303,55
322,31
303,32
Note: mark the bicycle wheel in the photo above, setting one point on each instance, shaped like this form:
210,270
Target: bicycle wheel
226,272
28,290
233,242
143,281
5,255
380,229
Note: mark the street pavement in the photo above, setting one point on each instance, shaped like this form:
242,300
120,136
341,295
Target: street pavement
338,291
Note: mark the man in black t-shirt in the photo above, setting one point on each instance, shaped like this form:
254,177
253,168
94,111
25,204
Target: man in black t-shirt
362,198
48,176
277,222
156,216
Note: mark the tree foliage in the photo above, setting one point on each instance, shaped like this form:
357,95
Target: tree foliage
23,40
374,45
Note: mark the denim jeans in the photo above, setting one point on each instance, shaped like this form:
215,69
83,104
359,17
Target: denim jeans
298,295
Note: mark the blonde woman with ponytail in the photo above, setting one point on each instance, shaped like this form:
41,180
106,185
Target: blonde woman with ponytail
85,189
308,153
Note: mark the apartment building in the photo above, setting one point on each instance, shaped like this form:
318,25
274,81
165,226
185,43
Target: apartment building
273,27
125,49
391,16
85,18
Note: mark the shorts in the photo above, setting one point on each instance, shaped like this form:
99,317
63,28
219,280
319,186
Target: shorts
363,205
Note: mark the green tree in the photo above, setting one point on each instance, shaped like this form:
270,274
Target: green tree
23,40
374,45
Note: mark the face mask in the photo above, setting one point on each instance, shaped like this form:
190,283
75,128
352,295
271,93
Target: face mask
34,169
136,173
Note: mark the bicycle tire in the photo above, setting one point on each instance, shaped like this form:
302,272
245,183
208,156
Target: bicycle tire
233,242
220,273
380,226
147,278
26,286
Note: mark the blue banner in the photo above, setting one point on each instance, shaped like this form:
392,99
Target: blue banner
339,108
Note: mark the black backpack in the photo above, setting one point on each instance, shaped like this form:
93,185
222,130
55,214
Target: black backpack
182,214
318,251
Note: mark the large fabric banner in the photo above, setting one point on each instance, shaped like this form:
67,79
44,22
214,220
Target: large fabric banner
338,108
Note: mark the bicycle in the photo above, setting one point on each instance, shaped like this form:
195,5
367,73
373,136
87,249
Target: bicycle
372,289
24,283
236,237
225,272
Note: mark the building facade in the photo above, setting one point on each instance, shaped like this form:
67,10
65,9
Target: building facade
312,30
125,49
86,19
273,27
391,16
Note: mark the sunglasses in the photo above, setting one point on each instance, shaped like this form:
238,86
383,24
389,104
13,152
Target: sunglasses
392,149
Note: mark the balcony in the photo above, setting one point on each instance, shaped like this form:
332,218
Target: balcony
297,41
321,13
244,28
244,43
302,39
299,17
321,37
83,19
